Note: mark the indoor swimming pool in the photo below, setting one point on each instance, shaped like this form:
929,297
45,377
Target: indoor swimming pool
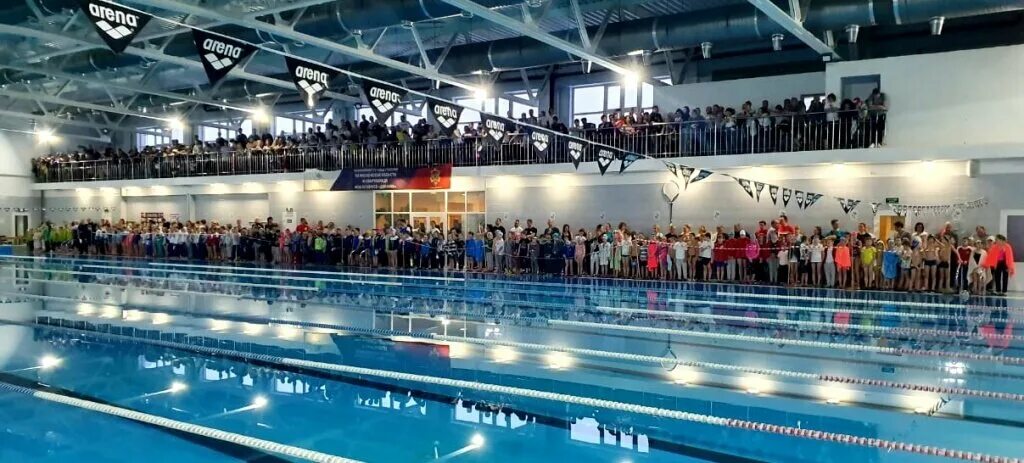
125,360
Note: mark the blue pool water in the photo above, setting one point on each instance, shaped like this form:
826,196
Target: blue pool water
425,367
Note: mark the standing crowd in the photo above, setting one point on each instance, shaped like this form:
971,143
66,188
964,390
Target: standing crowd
775,252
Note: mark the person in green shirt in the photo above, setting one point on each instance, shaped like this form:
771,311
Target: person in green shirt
320,248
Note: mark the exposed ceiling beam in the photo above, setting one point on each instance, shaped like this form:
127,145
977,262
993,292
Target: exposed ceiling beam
155,55
794,26
44,98
292,34
113,83
51,119
533,31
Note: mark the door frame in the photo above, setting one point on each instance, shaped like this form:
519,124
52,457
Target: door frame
14,223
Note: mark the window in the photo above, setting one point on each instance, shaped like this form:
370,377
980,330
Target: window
157,136
593,101
495,105
397,117
210,130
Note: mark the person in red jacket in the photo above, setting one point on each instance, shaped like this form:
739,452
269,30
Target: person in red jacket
1000,260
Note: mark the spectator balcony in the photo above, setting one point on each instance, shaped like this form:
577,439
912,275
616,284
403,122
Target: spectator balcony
718,137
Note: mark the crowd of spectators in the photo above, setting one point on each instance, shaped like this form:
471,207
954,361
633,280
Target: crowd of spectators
775,252
822,123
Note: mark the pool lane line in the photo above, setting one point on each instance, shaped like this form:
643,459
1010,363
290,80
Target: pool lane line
855,301
995,395
255,277
105,285
943,390
168,279
796,342
796,323
310,272
179,426
790,431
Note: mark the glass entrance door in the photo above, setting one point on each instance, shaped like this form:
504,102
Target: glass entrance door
428,222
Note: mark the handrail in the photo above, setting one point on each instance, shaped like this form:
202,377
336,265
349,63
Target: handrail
707,137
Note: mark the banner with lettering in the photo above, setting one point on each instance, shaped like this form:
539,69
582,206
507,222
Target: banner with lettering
116,25
445,114
310,78
395,178
541,141
577,149
218,54
383,99
605,157
495,128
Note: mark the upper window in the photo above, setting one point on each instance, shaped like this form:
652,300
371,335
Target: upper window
592,101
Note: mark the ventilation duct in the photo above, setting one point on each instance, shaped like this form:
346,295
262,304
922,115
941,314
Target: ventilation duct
852,33
705,49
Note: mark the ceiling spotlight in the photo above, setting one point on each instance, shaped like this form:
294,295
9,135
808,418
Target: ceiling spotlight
777,41
177,386
477,440
852,32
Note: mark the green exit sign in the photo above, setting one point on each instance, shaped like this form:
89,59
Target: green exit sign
892,200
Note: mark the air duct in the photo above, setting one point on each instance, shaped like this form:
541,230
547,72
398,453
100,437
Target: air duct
705,49
852,33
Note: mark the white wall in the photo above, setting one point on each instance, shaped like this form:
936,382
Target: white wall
341,207
957,98
732,93
169,205
227,208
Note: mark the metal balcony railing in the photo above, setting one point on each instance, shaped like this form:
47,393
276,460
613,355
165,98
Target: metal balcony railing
789,133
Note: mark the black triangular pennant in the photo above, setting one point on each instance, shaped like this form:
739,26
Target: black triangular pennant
383,99
577,149
445,114
219,54
627,160
541,141
495,127
703,174
746,186
312,79
773,191
799,199
686,172
758,187
874,207
116,25
604,159
845,205
811,199
851,204
672,167
786,194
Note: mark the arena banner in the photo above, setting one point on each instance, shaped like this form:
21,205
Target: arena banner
437,177
311,79
495,127
541,141
604,159
220,54
116,25
383,99
445,114
577,149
